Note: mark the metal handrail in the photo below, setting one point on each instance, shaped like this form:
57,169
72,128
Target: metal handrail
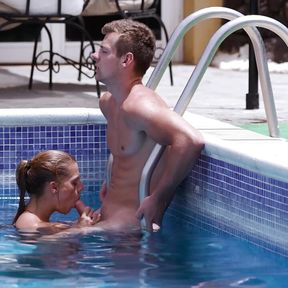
258,45
176,37
208,54
205,60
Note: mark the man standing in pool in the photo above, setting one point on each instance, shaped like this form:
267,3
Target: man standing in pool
137,118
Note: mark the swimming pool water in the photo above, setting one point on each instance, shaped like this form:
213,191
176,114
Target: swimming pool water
177,256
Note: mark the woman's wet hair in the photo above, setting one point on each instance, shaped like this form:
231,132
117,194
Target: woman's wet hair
135,37
32,175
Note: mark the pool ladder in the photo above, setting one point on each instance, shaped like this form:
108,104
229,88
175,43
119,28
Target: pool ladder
237,21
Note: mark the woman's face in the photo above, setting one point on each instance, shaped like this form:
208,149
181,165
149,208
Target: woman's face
69,189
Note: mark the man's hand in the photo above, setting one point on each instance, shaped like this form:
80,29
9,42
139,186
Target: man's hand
152,211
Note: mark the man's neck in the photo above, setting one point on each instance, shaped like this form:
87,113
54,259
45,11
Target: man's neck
122,88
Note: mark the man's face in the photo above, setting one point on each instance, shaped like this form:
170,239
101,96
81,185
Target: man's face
107,62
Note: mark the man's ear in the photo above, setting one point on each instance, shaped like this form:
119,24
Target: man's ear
127,59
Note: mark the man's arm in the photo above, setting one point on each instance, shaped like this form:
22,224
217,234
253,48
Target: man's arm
183,148
177,159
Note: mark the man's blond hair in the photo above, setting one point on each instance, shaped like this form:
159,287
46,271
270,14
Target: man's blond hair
135,37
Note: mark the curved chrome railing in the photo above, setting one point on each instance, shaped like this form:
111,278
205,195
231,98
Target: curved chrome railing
212,46
247,22
258,45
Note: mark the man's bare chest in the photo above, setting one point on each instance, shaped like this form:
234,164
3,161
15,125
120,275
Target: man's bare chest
123,139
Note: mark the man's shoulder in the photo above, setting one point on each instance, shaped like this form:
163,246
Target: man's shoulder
104,101
139,96
143,103
143,96
105,96
142,93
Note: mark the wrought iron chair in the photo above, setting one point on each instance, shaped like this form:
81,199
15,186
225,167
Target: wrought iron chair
58,15
133,9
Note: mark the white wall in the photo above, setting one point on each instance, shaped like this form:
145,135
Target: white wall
172,15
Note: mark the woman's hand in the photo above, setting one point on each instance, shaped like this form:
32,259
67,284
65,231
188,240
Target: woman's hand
88,216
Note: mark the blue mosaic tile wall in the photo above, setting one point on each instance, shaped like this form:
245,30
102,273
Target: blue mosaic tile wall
218,195
86,142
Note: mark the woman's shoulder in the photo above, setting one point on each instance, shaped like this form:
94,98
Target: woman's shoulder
27,220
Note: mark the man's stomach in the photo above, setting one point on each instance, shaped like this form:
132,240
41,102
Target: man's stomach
118,218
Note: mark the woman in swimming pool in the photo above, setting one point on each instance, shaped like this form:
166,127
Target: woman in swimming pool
52,180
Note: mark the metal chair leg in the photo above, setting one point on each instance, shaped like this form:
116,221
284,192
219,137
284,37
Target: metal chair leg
34,58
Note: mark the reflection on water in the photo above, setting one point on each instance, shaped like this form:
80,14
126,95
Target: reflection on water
176,256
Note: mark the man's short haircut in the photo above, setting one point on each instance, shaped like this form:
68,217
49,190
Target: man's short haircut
135,37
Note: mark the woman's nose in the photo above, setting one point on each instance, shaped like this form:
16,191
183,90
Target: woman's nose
81,187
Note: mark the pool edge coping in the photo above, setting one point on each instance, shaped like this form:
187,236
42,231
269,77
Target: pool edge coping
240,148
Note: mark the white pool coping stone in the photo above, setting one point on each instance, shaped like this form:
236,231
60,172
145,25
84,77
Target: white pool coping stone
262,154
